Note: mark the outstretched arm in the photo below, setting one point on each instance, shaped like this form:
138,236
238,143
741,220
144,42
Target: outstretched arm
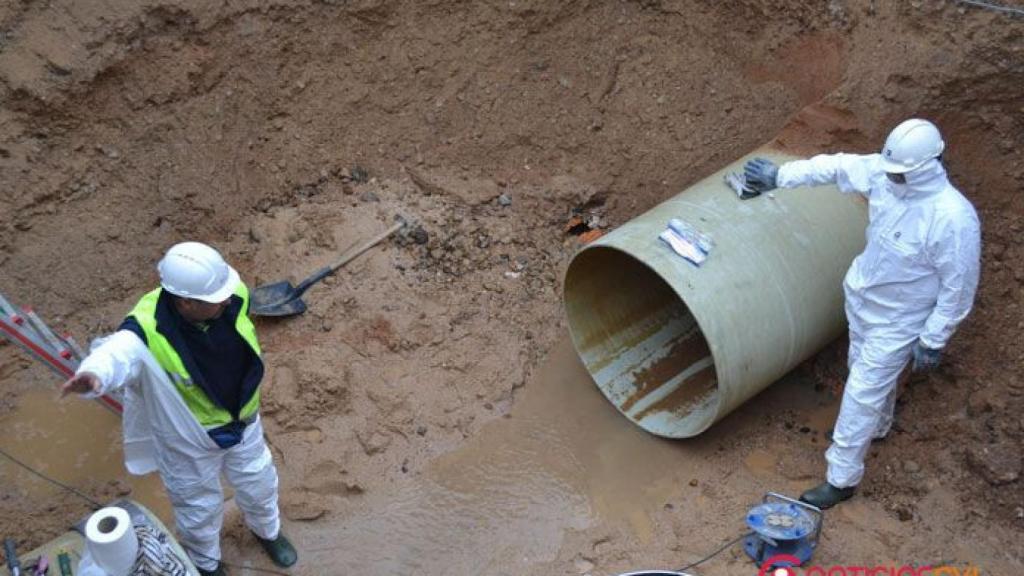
850,172
113,363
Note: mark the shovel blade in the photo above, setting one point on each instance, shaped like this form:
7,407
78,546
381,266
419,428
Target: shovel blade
277,299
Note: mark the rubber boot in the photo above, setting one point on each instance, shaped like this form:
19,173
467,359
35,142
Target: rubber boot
280,550
220,570
825,495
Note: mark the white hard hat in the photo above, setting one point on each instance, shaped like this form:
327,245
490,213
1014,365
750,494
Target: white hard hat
910,145
194,270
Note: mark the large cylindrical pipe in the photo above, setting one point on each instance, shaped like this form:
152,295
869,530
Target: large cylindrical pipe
676,347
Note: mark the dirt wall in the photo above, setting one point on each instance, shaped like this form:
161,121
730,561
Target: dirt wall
126,126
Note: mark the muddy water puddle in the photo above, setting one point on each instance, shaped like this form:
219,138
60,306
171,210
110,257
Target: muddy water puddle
564,460
75,442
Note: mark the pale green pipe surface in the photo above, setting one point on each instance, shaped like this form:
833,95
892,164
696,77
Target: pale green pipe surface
768,296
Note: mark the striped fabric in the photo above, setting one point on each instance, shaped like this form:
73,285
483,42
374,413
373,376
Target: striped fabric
156,557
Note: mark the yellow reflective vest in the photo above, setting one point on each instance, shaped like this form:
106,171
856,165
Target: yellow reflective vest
208,412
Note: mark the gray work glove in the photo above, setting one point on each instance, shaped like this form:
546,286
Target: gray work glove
925,358
761,174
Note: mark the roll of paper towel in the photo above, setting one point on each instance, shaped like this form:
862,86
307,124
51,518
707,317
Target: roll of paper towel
111,541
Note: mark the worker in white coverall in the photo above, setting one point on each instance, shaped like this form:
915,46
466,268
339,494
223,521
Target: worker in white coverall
905,293
189,361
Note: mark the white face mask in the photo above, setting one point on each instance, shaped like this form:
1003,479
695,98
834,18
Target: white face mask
930,177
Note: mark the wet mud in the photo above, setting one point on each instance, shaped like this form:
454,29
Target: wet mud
76,443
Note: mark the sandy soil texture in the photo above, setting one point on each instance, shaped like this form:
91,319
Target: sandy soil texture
285,132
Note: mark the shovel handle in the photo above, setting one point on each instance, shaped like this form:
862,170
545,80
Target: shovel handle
305,284
346,258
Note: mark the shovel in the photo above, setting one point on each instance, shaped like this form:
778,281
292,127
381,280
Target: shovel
283,299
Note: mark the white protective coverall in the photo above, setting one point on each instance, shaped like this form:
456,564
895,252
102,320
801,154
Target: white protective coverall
161,434
916,279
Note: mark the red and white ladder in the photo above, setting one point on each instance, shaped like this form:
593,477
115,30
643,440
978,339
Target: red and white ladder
58,353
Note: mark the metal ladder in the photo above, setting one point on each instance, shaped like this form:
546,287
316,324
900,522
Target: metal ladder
60,354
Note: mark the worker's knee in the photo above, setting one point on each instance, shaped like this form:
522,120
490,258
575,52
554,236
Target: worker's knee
871,382
256,487
867,397
198,520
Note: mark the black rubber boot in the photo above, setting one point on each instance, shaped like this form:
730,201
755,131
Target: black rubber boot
280,550
220,570
825,495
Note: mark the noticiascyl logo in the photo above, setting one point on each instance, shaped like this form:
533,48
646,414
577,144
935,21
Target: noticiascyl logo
779,565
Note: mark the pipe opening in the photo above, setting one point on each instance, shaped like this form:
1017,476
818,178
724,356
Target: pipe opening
641,343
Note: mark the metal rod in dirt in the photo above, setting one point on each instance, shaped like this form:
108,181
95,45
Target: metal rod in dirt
994,7
13,565
49,358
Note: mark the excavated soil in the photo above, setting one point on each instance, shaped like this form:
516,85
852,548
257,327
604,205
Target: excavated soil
285,132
